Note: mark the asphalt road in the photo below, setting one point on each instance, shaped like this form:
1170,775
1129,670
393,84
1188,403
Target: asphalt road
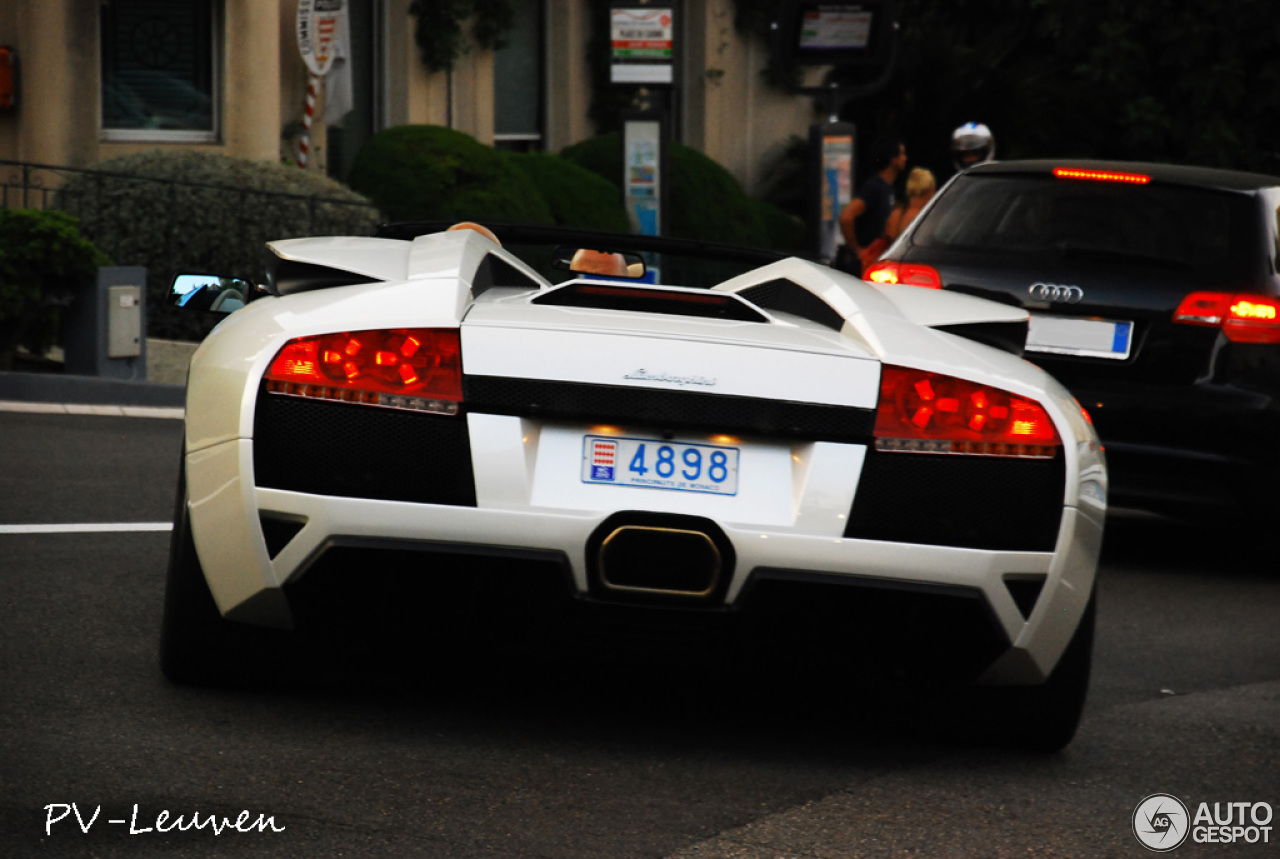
1185,701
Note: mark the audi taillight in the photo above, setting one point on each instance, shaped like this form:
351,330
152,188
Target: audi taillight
905,273
1242,317
922,412
419,369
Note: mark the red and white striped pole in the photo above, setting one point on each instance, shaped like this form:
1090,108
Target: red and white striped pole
304,143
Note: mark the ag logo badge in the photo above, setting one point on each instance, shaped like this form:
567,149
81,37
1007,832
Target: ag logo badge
1161,823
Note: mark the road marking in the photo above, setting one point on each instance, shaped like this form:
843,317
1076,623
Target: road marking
86,528
85,409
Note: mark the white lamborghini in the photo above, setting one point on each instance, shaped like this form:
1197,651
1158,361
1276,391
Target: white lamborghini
711,455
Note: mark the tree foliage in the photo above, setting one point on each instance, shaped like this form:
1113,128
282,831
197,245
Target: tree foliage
1155,80
44,265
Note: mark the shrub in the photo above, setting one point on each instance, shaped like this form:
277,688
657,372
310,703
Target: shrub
576,196
704,201
210,213
429,172
43,261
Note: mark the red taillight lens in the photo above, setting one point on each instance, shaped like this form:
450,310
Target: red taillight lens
905,273
921,412
1243,317
406,368
1102,175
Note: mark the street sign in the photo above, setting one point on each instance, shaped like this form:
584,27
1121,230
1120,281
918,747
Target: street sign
319,23
642,43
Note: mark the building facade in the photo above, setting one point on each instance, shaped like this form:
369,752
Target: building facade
94,79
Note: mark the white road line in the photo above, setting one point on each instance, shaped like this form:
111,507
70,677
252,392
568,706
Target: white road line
86,528
84,409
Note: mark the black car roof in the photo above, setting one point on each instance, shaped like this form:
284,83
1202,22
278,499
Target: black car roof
1206,177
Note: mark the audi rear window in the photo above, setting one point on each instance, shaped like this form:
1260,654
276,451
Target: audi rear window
1174,226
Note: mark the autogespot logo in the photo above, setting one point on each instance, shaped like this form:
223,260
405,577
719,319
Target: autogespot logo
1161,823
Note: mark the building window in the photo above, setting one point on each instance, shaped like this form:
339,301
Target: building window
159,77
518,81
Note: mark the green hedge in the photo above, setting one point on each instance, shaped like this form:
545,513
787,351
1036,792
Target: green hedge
576,196
44,262
214,214
704,200
429,172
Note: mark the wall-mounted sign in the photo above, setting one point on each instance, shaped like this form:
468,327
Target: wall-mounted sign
643,44
835,28
814,32
319,24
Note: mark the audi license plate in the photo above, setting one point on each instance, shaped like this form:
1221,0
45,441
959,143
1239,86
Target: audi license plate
1095,338
655,464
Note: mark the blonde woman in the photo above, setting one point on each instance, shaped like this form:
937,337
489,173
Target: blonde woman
920,189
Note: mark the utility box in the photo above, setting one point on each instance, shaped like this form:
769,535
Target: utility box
103,330
124,321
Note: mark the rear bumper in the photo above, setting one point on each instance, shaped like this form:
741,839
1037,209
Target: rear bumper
1187,450
339,559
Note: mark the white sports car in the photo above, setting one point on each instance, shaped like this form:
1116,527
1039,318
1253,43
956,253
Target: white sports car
712,455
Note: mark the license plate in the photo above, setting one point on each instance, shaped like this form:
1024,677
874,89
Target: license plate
656,464
1094,338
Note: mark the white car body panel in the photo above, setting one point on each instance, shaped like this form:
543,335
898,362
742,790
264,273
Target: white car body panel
792,512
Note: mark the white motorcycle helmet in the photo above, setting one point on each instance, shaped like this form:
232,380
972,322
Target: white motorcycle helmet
972,143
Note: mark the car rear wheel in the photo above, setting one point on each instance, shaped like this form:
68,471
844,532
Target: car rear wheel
198,646
1040,718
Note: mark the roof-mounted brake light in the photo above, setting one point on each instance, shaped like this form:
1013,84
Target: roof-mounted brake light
1102,175
419,369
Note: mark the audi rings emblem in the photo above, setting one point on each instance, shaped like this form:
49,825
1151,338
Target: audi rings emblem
1056,292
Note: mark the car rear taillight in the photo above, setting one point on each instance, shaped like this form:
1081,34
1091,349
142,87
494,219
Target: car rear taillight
419,369
905,273
922,412
1243,317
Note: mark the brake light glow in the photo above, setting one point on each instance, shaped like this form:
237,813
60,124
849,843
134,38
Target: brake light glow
922,412
419,369
905,273
1102,175
1242,317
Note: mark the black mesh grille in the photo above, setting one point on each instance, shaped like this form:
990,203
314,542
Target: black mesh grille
869,628
953,500
329,448
667,409
708,305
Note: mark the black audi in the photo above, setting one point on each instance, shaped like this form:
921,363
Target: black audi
1154,296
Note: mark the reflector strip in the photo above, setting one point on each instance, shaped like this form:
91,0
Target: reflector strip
1101,175
88,528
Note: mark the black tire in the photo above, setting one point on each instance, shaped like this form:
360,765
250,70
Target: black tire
1040,718
198,646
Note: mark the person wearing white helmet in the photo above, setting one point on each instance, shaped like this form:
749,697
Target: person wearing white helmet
972,143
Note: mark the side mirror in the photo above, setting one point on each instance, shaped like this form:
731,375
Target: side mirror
610,264
209,292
